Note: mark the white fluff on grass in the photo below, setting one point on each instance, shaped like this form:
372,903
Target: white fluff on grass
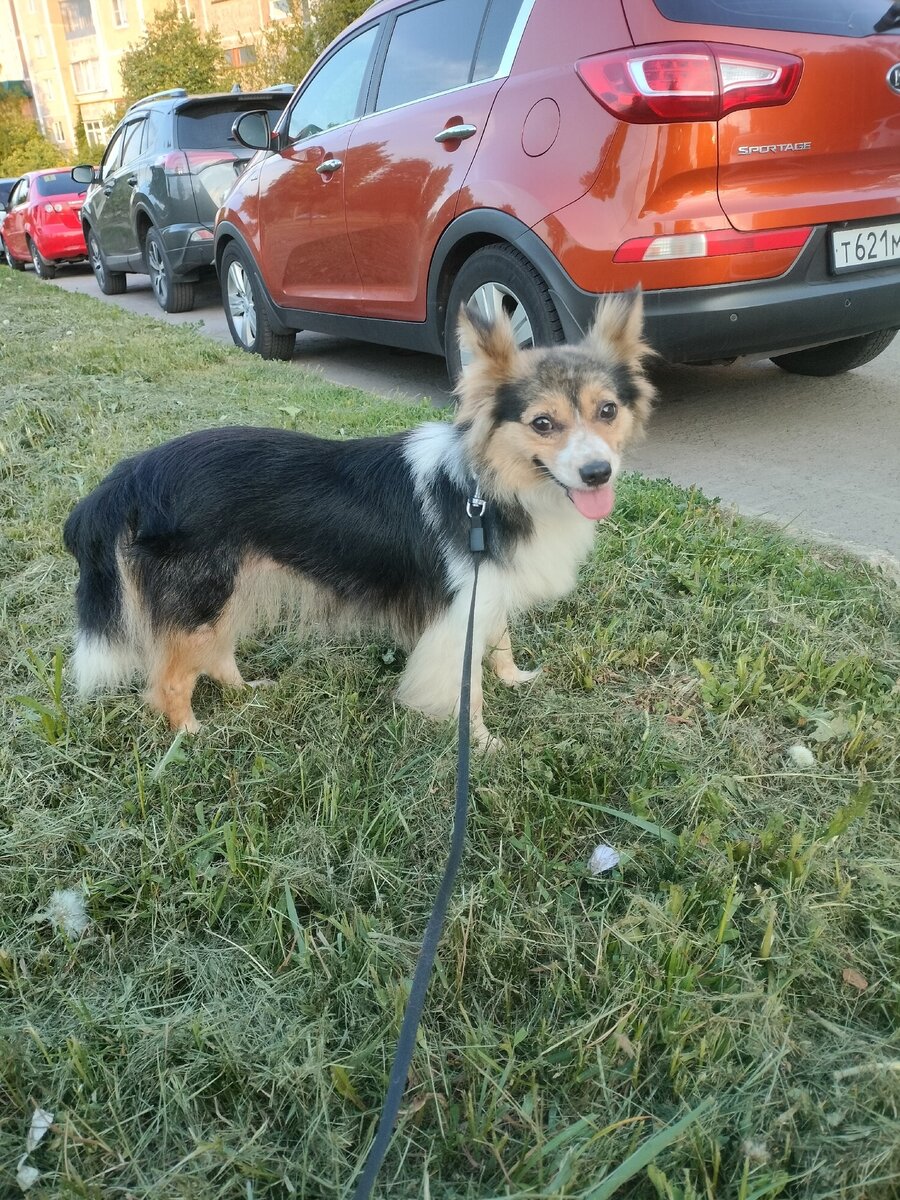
802,756
66,912
26,1177
40,1123
604,858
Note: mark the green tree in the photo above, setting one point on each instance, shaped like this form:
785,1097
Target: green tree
22,145
84,151
287,49
173,53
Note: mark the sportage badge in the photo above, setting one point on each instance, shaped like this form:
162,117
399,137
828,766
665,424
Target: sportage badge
893,78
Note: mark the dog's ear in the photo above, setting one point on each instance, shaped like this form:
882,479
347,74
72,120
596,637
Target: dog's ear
618,328
490,344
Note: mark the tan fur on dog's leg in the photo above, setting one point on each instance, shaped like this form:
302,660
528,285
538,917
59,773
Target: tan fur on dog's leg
504,665
172,681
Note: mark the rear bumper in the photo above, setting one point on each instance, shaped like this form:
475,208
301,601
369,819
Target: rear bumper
807,306
188,256
65,243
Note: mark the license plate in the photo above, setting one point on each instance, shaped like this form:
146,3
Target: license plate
865,246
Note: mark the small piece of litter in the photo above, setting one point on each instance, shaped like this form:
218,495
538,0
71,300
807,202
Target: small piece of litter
40,1123
854,979
26,1177
603,859
801,756
66,912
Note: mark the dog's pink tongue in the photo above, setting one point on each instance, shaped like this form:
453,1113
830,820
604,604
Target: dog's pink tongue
594,503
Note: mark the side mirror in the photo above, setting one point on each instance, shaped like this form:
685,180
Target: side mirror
252,130
83,174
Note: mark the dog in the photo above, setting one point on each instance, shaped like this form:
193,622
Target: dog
184,548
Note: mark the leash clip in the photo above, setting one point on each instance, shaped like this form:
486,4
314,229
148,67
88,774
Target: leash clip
475,507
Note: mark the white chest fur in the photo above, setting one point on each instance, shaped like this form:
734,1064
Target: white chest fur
545,567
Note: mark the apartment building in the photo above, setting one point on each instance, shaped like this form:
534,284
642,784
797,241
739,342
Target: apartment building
70,51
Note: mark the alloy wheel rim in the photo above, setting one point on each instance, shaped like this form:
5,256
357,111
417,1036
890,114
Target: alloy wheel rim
96,261
488,301
35,258
157,272
241,305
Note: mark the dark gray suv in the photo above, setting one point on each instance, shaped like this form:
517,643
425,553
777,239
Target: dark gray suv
152,202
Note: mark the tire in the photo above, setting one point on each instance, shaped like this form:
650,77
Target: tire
172,295
42,267
245,311
499,277
12,263
836,357
110,283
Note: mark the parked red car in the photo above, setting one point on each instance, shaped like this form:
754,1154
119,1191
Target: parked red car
738,160
43,224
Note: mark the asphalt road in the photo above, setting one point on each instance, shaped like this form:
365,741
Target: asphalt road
817,456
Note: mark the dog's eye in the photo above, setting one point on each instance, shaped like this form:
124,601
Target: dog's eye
608,411
542,425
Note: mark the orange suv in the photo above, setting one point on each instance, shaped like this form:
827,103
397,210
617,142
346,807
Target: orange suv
739,161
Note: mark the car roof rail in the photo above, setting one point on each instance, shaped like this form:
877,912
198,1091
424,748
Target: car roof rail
169,93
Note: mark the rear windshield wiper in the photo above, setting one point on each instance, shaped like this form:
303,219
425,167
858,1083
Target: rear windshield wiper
890,19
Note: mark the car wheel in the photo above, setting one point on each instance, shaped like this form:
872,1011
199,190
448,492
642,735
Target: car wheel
10,261
42,268
110,283
172,295
500,279
247,317
836,357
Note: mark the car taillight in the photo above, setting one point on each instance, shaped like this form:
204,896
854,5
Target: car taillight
186,162
176,163
712,243
53,207
688,81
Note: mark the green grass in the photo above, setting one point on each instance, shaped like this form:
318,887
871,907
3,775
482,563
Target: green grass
681,1029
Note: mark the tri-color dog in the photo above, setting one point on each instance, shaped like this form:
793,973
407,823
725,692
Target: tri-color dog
185,548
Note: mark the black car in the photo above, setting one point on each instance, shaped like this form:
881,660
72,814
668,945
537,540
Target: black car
152,203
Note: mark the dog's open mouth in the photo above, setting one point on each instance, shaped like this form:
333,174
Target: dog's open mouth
593,503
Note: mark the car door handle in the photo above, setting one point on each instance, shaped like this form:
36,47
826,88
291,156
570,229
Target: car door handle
328,166
132,180
456,133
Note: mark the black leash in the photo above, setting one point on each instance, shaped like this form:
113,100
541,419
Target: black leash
406,1043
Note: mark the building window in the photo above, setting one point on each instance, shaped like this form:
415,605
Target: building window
39,46
120,15
86,76
279,9
240,56
58,135
32,6
77,19
184,8
95,132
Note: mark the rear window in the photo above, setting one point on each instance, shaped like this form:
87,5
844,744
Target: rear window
60,183
844,18
208,126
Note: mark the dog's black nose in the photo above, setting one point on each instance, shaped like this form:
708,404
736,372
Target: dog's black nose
595,473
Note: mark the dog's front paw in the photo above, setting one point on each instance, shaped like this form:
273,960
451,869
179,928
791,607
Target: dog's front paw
261,684
513,677
486,742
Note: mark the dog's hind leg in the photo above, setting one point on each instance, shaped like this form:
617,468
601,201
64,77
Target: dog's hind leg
504,665
182,657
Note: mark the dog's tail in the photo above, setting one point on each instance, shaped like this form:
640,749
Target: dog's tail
107,650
